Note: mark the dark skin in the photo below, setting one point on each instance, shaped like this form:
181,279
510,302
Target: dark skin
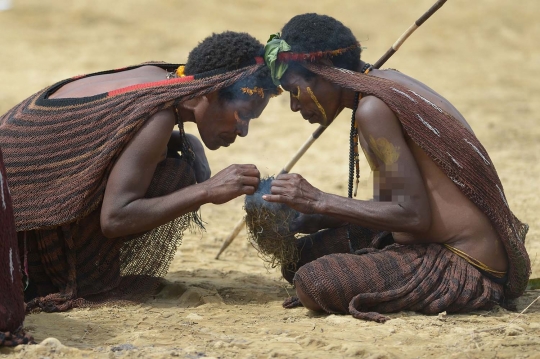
412,197
124,210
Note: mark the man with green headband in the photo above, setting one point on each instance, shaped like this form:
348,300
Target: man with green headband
438,234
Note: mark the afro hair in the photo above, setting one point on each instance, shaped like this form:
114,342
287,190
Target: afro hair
312,33
231,50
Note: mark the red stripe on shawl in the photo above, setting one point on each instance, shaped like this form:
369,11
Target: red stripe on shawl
149,84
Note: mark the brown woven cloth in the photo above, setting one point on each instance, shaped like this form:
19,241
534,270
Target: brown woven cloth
457,152
425,278
11,291
58,155
74,265
346,239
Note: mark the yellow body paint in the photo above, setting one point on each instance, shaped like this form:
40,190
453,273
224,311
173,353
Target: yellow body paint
370,161
384,150
314,98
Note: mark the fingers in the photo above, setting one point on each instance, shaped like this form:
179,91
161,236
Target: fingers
273,198
249,190
250,181
288,177
244,170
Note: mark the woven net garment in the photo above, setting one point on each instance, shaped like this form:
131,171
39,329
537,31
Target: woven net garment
58,155
425,278
11,291
383,277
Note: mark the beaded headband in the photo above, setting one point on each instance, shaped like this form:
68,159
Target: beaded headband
180,72
277,54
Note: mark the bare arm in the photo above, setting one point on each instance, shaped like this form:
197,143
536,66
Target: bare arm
400,204
125,210
202,168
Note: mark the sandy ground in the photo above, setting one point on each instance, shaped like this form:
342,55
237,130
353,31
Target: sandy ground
482,55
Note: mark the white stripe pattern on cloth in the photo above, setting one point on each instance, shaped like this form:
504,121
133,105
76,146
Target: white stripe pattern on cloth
404,94
502,195
433,129
477,151
454,160
458,183
2,190
428,101
11,268
346,71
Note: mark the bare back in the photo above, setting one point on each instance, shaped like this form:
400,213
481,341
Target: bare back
94,85
455,220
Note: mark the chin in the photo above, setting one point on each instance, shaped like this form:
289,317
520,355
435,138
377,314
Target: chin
212,146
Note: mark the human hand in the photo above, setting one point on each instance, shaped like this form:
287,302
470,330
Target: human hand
201,166
232,182
293,190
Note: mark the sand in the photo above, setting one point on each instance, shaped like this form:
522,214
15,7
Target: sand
482,55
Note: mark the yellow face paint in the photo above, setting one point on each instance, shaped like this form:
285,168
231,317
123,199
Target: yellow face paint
238,119
252,91
384,150
321,109
297,96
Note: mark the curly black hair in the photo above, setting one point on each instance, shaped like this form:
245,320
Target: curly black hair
231,50
313,32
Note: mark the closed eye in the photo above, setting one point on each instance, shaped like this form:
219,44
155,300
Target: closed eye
297,94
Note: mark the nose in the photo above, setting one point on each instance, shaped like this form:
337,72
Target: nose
242,128
295,104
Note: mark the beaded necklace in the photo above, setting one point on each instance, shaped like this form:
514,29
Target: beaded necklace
354,157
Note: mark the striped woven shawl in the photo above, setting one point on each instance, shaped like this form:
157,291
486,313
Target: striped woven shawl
58,152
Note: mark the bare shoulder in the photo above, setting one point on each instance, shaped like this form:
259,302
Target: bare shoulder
158,126
372,111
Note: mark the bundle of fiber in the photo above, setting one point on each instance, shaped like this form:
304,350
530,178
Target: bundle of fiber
268,227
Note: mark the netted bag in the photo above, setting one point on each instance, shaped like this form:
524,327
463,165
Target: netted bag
268,227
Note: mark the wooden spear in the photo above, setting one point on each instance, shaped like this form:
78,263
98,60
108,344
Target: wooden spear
321,128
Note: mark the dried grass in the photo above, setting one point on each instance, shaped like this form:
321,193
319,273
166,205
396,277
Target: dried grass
268,227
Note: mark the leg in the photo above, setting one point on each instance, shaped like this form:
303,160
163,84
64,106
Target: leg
423,278
344,239
307,301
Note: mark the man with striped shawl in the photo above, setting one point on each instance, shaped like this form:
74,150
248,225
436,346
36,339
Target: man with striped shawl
438,234
100,194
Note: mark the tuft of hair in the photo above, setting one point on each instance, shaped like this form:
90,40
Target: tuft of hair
231,50
268,227
313,32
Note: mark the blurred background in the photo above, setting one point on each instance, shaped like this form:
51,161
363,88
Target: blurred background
482,55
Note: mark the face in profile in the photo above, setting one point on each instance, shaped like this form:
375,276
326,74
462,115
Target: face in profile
224,120
317,99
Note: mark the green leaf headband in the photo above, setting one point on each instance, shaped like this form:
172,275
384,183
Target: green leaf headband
277,53
273,47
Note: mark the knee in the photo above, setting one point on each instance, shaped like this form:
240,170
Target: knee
306,300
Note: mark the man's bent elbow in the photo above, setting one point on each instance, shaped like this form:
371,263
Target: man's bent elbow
417,221
110,228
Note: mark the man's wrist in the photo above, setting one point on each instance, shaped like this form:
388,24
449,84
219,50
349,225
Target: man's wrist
322,204
203,193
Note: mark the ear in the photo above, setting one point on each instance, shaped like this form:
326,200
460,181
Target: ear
196,104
